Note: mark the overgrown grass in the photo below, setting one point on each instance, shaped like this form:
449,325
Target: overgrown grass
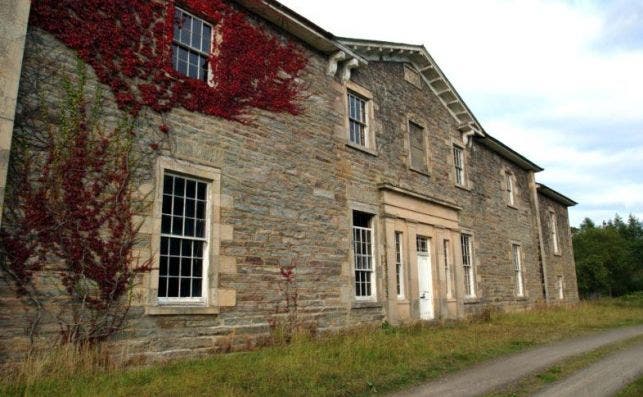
357,362
633,390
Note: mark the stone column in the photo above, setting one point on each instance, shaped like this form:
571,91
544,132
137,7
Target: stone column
14,15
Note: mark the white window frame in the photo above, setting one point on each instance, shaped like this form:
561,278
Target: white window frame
209,304
458,164
399,264
355,98
205,240
448,268
516,254
553,225
467,265
196,50
561,288
370,141
368,255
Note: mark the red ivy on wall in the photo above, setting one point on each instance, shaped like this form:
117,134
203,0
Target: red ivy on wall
128,44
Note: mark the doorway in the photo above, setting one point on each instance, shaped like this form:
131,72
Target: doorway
425,278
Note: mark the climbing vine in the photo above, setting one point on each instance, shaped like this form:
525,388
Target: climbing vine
69,222
129,45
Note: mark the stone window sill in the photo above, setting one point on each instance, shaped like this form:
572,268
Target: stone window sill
168,310
471,301
522,298
362,149
463,187
402,301
421,172
366,305
512,206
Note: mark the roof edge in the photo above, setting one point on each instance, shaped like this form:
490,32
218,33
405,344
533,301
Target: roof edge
509,154
554,195
297,25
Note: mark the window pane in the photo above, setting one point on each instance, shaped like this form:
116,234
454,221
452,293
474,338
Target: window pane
173,287
186,288
181,257
190,208
190,189
163,265
175,247
189,227
200,229
197,268
196,34
203,188
186,267
186,29
178,206
196,287
207,38
177,225
175,265
166,224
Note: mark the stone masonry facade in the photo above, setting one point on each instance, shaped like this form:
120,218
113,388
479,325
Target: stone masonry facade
286,190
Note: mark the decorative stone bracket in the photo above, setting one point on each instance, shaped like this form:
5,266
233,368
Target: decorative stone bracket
347,65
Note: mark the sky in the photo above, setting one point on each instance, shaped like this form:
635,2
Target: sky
560,81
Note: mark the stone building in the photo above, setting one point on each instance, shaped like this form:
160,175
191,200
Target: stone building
386,193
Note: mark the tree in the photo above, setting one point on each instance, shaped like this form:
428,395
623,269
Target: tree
609,257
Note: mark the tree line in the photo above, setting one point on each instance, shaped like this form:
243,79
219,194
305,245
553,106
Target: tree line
609,257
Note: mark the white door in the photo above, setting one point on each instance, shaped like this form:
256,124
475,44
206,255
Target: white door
425,279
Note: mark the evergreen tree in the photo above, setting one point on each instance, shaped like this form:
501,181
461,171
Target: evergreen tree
609,258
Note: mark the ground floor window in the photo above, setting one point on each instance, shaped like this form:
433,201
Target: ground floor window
363,254
184,238
399,265
467,264
447,269
561,289
520,289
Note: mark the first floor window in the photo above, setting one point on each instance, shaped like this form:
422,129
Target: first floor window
458,159
363,254
554,232
417,141
467,264
510,189
447,269
520,290
357,120
184,238
191,45
399,265
561,289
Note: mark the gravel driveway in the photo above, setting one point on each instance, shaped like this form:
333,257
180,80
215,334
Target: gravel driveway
502,371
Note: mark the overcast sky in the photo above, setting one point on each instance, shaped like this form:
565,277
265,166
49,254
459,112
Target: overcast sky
560,81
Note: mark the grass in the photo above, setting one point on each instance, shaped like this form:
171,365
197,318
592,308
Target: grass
532,383
358,362
633,390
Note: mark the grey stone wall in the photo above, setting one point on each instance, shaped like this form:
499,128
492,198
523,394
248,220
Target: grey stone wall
562,263
493,223
288,184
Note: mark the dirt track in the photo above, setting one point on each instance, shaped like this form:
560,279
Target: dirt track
604,378
490,375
